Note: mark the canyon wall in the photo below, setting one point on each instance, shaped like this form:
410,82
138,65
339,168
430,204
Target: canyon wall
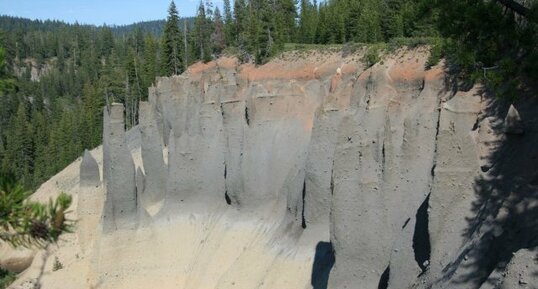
313,171
381,163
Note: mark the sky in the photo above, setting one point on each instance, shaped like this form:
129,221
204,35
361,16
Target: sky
97,12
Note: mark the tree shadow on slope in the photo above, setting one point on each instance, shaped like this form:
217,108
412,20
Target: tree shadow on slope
506,207
323,263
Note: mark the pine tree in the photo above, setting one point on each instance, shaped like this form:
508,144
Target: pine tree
40,140
7,85
138,40
171,48
218,37
229,31
307,22
2,63
264,31
393,22
241,24
336,22
285,13
91,116
111,80
133,87
106,41
353,31
203,34
66,141
254,14
19,151
369,22
322,28
149,67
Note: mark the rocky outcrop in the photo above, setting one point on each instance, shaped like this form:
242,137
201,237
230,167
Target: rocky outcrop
89,171
154,176
120,208
519,274
381,176
512,122
455,170
15,260
89,204
381,171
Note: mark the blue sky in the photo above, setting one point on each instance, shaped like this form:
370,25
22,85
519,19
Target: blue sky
97,12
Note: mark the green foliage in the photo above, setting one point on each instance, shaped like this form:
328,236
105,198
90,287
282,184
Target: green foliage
6,85
57,265
218,37
436,52
149,61
46,124
231,51
310,47
202,25
283,13
2,63
411,42
19,149
369,22
229,31
171,47
489,41
373,54
307,22
25,223
6,278
241,24
264,32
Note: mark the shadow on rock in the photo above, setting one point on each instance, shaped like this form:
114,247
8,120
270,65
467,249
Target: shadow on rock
506,207
323,263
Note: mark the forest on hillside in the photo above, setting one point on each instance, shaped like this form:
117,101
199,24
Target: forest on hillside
55,77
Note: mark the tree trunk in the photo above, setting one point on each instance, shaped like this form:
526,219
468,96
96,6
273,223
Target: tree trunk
516,7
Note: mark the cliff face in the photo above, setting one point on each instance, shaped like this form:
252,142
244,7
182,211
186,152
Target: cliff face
315,173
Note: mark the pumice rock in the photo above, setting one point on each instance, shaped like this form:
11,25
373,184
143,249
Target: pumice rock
90,198
89,171
275,177
152,145
512,122
119,173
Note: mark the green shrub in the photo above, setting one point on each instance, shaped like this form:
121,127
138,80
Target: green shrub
373,54
436,53
24,223
6,278
411,42
57,265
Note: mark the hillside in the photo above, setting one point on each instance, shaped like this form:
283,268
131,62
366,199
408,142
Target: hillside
12,24
313,172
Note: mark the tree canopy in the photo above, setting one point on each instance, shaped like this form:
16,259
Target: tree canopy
494,41
171,55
